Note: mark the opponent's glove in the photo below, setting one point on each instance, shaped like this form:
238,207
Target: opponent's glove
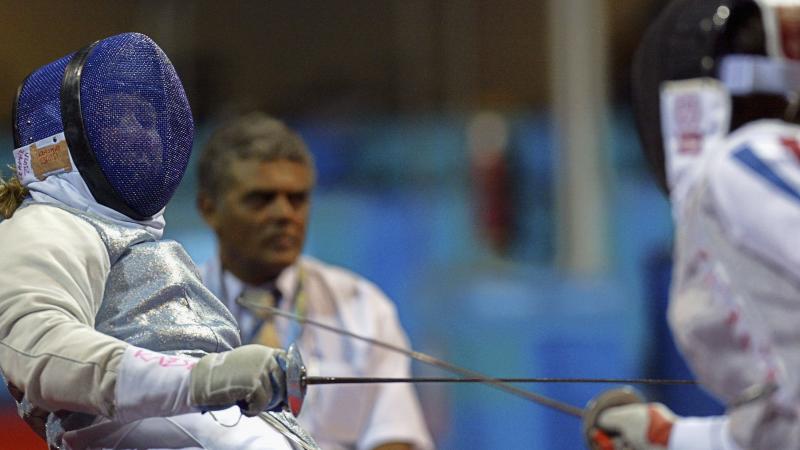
252,377
638,426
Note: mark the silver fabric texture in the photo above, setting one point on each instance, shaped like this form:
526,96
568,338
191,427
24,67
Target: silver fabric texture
154,298
54,431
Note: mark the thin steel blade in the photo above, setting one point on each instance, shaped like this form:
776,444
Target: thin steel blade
436,362
373,380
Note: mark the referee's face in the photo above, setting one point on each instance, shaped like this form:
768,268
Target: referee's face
261,219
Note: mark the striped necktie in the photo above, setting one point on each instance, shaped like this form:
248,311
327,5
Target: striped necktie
266,333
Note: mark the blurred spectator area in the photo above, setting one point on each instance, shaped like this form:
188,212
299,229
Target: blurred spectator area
322,57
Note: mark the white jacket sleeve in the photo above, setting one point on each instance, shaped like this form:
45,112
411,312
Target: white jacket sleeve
53,272
702,433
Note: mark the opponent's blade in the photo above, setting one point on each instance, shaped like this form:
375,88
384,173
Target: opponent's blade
373,380
428,359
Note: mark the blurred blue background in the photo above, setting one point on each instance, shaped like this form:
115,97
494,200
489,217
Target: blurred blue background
473,238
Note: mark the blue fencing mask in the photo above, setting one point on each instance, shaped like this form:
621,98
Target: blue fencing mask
124,117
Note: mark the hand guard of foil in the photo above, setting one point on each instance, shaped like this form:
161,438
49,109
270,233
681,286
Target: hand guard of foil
252,377
620,420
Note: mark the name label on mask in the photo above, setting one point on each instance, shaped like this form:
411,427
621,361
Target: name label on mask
39,160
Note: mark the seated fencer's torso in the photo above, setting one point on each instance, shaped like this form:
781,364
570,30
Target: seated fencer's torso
153,298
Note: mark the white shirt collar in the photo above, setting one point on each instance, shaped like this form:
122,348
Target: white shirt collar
286,283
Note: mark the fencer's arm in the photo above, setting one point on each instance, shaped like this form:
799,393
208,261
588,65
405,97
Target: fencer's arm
653,426
52,276
702,433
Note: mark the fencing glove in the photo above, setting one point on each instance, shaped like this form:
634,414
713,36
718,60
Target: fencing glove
638,426
152,384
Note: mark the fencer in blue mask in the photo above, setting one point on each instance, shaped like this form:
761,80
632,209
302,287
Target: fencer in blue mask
102,323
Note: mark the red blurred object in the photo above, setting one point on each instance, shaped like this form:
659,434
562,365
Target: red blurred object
493,193
492,184
15,434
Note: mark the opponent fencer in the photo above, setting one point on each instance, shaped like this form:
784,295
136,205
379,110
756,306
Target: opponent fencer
716,86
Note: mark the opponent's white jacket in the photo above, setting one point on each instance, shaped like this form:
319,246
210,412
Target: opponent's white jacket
735,298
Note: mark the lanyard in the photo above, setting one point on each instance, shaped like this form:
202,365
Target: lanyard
299,304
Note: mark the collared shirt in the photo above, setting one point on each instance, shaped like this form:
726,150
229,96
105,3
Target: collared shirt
343,416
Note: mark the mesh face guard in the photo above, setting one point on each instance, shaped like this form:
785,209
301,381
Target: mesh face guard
125,115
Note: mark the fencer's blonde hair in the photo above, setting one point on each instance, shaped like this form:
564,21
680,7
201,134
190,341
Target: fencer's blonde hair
12,192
